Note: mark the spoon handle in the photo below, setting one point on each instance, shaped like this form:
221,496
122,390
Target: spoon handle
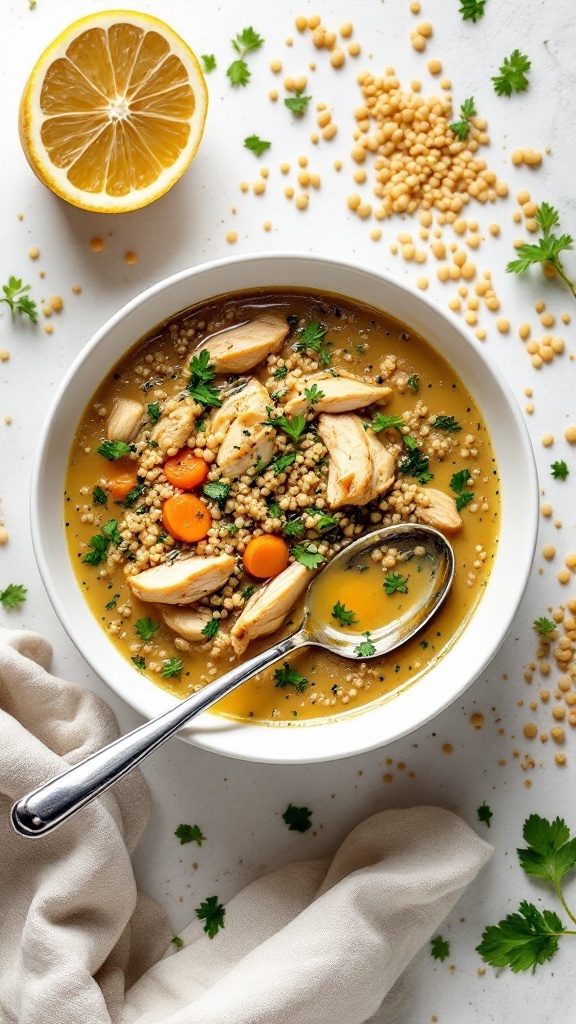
53,803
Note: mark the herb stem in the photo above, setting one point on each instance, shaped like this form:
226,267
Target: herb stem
565,905
560,271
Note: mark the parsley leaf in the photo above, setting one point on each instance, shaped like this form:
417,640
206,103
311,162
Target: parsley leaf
345,616
146,628
458,484
413,382
294,427
13,595
209,62
548,248
112,603
366,648
189,834
280,372
415,463
212,913
298,103
439,948
139,661
113,450
544,626
551,852
177,941
293,528
211,629
512,77
484,813
217,491
238,72
99,497
522,940
383,422
308,555
559,470
245,41
202,372
395,583
326,523
282,462
462,128
446,423
172,667
274,510
133,495
15,297
153,412
100,543
110,530
472,10
248,590
313,394
297,818
287,676
311,339
256,145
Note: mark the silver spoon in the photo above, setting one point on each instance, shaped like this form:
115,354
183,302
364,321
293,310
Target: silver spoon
51,804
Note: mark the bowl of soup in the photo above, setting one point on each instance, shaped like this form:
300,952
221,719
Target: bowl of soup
221,439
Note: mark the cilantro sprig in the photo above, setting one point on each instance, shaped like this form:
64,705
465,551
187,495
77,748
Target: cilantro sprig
245,41
415,463
483,813
294,427
446,423
146,628
544,626
529,937
208,62
15,296
307,554
113,450
211,629
512,77
99,544
547,249
467,111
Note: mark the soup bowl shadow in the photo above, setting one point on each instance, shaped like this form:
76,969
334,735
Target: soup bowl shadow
465,659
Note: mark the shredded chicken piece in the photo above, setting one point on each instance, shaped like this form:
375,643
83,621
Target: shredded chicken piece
360,467
248,440
240,348
434,508
188,621
182,581
267,609
125,420
339,393
175,425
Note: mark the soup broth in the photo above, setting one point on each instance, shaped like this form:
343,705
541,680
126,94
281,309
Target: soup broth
155,479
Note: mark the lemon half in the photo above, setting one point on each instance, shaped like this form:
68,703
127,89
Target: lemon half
113,111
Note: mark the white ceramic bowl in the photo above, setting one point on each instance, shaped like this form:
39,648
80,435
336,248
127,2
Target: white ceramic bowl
464,661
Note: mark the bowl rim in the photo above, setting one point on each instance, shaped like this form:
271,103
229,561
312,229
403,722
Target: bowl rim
344,735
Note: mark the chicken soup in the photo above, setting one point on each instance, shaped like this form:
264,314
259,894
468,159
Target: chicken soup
232,453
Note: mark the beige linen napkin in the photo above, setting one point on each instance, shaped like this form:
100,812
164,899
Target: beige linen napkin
316,941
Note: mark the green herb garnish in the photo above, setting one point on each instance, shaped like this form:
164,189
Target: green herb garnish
282,462
244,42
139,661
484,813
297,818
274,510
280,372
113,450
544,626
208,61
298,104
247,591
293,528
212,913
256,145
177,941
294,427
439,948
15,297
547,249
313,394
366,648
13,595
311,339
133,495
413,382
189,834
512,77
462,128
172,667
287,676
559,470
383,422
472,10
100,543
308,555
446,423
415,463
202,372
211,629
218,491
146,628
99,497
153,412
345,616
458,484
395,583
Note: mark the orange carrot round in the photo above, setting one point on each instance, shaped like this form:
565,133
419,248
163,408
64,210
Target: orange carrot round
185,470
265,556
121,484
186,517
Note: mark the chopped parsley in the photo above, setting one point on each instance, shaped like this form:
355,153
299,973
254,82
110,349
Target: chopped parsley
100,543
153,412
307,554
484,813
200,387
313,394
244,42
146,628
559,470
439,948
172,667
99,497
15,296
446,423
274,510
256,145
140,662
247,591
280,372
113,450
208,62
311,339
462,128
298,104
211,629
345,616
366,648
548,248
287,676
212,913
297,818
383,422
218,491
110,530
293,528
326,523
282,462
112,603
544,626
294,427
395,583
177,941
458,484
415,463
189,834
413,382
512,77
133,495
13,595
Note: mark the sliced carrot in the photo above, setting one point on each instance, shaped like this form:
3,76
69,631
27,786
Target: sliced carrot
121,484
186,517
185,470
265,556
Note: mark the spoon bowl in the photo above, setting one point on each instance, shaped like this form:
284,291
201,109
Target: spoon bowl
53,803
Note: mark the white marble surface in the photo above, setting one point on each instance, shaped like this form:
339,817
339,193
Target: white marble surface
237,804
